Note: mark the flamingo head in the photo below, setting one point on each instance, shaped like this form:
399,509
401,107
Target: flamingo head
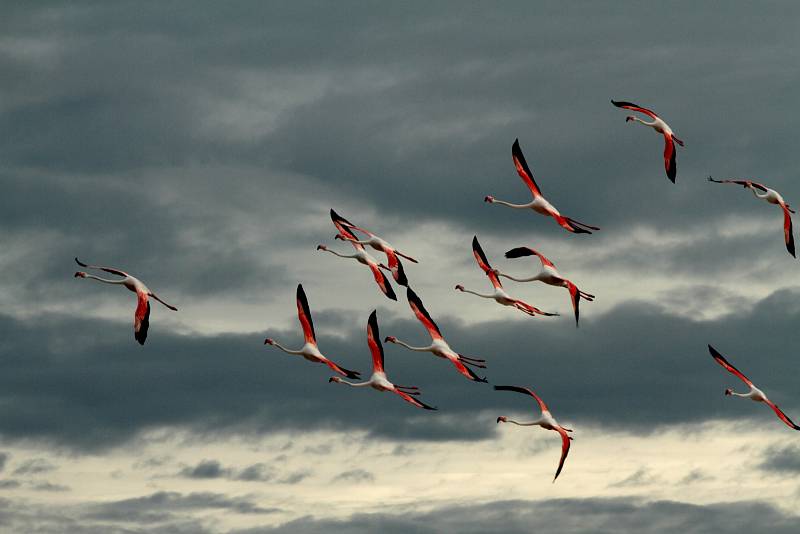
728,391
80,274
322,247
488,198
502,418
339,236
269,341
334,379
459,287
629,118
390,339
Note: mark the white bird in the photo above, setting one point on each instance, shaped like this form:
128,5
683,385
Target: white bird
661,127
539,204
548,275
773,197
438,346
754,394
546,421
141,317
310,350
361,256
378,379
499,295
395,266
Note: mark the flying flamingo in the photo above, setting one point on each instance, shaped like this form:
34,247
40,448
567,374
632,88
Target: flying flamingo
309,350
754,394
438,346
361,256
141,317
661,127
549,275
546,421
499,295
540,204
395,267
773,197
378,379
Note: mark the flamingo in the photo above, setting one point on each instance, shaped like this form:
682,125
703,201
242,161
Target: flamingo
661,127
378,379
773,197
549,275
499,295
361,256
754,394
395,266
310,350
438,346
141,317
539,204
546,421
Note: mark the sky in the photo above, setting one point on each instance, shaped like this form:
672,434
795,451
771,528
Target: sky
200,147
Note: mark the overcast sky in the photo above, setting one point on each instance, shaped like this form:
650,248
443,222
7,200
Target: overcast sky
200,146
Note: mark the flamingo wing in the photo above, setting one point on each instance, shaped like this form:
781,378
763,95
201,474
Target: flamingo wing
575,296
344,227
141,318
422,314
633,107
782,416
483,263
382,281
374,342
720,359
418,403
523,170
396,267
670,164
106,269
788,236
338,221
520,252
341,370
565,443
304,314
524,391
745,183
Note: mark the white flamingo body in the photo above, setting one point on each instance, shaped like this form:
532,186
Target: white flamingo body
378,380
141,317
499,295
539,204
546,421
754,394
660,127
772,197
309,351
548,274
438,346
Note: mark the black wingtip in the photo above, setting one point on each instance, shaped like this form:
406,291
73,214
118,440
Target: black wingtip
79,262
519,252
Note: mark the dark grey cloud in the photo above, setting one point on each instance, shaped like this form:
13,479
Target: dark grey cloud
641,477
4,456
629,362
569,516
782,459
206,469
258,472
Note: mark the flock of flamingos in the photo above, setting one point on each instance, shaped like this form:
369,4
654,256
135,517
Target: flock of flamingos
439,347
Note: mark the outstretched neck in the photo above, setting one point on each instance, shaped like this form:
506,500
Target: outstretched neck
284,349
105,280
759,195
531,279
341,255
533,423
409,347
478,294
637,119
354,384
510,205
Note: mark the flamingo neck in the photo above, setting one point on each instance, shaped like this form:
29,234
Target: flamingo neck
341,255
409,347
746,395
479,294
354,384
531,279
510,205
534,423
758,195
105,280
651,124
288,351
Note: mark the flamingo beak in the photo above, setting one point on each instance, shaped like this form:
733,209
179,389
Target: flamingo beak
728,391
501,418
